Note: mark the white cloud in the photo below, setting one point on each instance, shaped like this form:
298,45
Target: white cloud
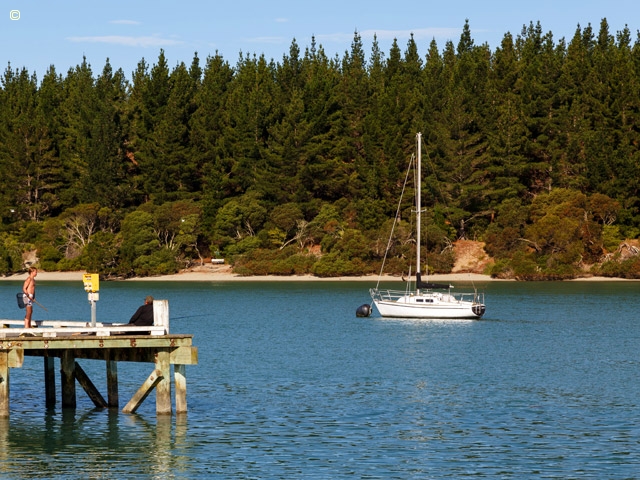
127,41
125,22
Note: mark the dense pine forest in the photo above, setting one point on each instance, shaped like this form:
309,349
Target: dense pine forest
296,165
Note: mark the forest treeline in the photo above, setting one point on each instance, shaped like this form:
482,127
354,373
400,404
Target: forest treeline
296,165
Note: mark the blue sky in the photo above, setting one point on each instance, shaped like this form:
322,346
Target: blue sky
60,32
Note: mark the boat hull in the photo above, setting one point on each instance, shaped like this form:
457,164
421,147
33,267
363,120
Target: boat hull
431,305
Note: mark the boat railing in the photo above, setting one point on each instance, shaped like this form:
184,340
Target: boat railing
390,295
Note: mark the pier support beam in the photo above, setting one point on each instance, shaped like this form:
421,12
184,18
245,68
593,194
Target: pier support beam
180,377
143,392
4,383
49,382
91,390
67,379
163,388
112,383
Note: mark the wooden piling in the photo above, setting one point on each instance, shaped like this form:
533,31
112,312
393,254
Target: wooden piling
163,388
4,383
67,378
180,376
112,381
49,382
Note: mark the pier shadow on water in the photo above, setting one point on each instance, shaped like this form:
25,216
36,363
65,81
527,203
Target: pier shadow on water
67,443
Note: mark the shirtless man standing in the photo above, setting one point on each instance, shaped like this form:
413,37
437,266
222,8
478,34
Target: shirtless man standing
29,292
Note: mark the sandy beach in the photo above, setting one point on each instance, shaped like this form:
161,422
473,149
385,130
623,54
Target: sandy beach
224,274
212,276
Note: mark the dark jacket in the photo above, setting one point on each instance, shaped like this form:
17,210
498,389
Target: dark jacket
143,316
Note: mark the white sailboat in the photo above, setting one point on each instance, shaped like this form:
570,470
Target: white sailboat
426,300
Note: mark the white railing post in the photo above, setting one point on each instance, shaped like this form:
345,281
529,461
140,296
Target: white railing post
161,314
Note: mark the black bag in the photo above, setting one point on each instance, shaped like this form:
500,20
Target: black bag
20,298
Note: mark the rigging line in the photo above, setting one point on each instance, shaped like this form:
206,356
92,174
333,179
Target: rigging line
191,316
395,220
475,290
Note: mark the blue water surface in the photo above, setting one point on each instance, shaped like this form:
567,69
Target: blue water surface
291,384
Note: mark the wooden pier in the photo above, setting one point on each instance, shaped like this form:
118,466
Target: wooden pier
113,343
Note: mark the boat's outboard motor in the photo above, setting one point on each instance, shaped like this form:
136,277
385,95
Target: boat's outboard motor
363,310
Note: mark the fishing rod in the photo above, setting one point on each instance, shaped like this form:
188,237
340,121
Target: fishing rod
39,304
191,316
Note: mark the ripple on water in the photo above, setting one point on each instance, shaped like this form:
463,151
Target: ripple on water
291,385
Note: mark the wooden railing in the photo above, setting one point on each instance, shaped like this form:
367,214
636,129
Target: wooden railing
58,328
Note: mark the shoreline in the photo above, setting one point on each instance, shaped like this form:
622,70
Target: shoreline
226,276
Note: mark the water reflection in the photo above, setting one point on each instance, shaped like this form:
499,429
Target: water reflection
97,443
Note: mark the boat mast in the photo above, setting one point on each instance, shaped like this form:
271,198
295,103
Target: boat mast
418,210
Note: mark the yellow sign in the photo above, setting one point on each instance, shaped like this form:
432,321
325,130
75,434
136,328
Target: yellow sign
91,282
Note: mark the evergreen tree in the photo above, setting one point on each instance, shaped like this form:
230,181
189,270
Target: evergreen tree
625,108
506,127
315,177
108,166
249,112
514,141
538,74
208,123
291,131
77,117
375,173
27,152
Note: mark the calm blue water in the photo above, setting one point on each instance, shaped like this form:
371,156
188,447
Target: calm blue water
290,384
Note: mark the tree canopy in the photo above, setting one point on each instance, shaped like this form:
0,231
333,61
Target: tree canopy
295,166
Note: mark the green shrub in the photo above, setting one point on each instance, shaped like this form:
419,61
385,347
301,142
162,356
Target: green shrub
160,262
301,264
335,265
629,268
502,268
243,246
441,262
10,256
611,237
31,232
5,261
101,254
524,266
274,262
49,257
64,265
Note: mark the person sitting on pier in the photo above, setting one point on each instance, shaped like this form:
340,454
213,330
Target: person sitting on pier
144,315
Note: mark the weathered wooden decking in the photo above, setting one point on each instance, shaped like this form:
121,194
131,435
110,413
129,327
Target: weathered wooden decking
73,341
